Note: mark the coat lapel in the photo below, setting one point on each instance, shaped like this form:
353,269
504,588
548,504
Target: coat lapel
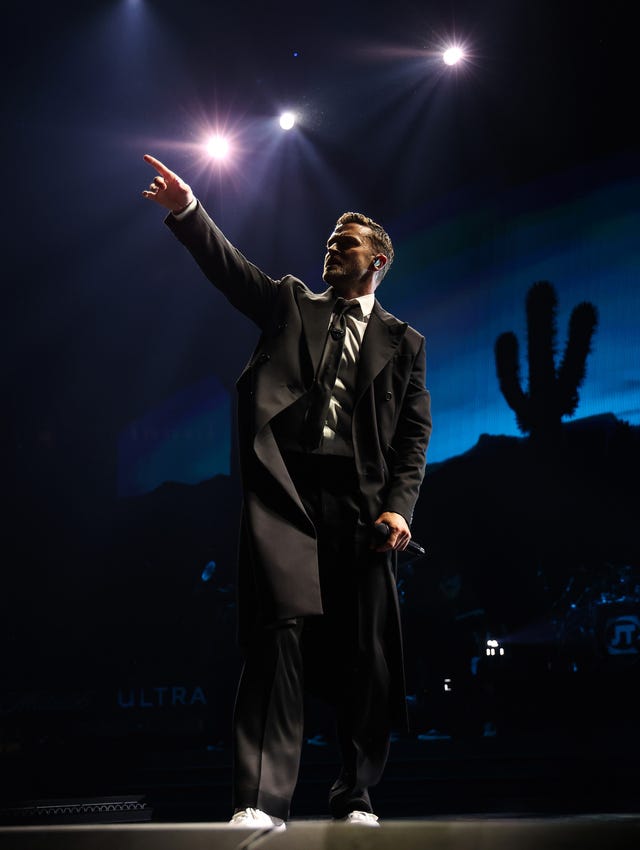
315,311
380,341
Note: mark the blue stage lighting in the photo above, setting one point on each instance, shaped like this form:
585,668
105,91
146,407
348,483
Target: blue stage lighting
208,571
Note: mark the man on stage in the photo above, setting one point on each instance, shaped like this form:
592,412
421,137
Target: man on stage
333,426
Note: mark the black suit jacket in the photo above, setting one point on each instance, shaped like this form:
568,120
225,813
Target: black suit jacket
391,423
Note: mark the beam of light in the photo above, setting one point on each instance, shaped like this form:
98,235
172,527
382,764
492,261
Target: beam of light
287,120
452,55
217,147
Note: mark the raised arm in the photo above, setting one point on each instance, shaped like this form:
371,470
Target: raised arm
166,188
248,288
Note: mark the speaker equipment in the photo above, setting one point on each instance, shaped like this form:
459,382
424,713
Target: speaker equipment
86,810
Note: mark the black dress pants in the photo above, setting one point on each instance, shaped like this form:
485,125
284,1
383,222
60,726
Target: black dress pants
339,656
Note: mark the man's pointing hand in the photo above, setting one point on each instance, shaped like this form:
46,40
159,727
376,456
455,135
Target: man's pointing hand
167,189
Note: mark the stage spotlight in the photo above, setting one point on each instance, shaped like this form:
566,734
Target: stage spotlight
217,147
287,120
452,55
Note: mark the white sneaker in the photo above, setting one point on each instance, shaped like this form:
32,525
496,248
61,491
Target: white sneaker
361,818
256,819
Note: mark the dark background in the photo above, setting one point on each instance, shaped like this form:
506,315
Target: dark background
117,589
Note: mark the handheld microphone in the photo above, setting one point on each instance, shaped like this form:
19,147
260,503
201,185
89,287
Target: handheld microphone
381,532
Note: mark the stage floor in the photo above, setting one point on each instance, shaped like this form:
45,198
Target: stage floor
437,779
465,832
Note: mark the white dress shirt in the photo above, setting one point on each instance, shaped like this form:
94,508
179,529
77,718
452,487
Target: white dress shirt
337,428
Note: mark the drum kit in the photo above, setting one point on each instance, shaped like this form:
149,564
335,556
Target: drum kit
597,618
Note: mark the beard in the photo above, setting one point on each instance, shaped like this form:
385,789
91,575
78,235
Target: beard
334,273
345,278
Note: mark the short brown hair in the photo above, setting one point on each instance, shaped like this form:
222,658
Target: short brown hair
380,240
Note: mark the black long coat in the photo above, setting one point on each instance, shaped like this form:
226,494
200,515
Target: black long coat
391,423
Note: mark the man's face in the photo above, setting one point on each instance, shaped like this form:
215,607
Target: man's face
349,258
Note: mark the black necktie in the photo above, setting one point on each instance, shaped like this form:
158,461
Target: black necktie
322,387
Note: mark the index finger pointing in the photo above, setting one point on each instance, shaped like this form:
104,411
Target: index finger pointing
160,167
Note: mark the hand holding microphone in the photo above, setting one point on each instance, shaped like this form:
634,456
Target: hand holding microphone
382,530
